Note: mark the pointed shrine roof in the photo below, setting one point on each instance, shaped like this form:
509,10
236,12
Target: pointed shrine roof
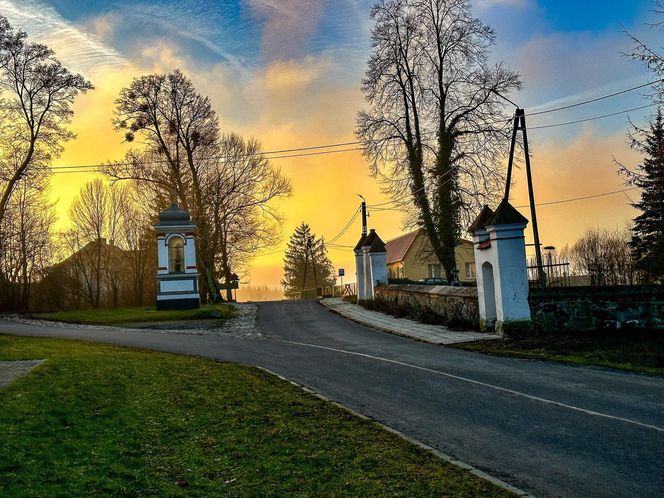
506,214
374,242
482,219
360,243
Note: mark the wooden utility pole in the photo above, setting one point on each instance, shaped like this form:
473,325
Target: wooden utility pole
364,215
520,124
306,263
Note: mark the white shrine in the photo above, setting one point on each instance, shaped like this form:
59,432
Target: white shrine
501,268
177,273
370,264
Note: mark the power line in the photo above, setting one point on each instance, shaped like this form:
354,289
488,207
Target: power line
225,156
91,168
573,199
345,228
96,167
584,102
593,118
396,203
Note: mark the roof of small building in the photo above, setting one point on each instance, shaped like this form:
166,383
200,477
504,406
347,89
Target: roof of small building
506,214
397,248
482,219
174,216
360,243
374,242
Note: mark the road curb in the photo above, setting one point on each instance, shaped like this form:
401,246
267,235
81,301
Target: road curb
372,325
444,456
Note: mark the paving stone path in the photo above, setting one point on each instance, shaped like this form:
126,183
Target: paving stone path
433,334
12,370
242,324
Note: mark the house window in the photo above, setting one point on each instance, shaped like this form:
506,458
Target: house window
175,255
435,271
470,270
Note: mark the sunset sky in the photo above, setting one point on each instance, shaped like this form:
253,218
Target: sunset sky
288,73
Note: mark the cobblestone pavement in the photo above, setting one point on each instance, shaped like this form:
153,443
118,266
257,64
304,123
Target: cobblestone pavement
433,334
242,324
12,370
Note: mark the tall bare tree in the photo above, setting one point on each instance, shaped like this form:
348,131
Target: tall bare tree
27,250
225,182
238,192
435,123
181,130
37,94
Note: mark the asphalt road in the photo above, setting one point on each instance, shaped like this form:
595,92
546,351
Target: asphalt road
550,429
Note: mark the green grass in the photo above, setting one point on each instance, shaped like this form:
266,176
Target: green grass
117,316
96,420
636,351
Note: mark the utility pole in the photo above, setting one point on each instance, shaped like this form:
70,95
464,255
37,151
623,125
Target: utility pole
520,125
313,267
364,215
306,263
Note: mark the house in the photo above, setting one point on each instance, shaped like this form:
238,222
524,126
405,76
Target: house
411,256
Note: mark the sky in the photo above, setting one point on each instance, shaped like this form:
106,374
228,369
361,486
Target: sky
288,73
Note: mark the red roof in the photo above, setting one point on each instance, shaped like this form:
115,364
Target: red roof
397,248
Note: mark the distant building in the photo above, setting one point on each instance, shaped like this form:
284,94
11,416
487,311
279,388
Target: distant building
411,256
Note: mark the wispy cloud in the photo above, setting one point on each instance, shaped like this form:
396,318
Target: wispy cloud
289,24
176,20
78,49
487,4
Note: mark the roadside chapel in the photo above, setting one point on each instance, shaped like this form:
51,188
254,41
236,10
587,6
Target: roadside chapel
177,274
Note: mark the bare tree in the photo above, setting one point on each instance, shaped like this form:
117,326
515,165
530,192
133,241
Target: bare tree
651,58
37,94
97,260
181,130
89,216
225,183
435,125
605,256
27,236
238,191
137,239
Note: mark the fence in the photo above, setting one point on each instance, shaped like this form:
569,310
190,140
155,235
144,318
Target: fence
555,272
327,291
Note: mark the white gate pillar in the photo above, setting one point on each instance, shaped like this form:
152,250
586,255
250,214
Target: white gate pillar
501,267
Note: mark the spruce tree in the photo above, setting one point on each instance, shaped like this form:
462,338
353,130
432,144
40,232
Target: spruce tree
304,253
648,230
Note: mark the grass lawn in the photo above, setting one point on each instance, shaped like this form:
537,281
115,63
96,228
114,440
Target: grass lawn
637,351
118,316
99,419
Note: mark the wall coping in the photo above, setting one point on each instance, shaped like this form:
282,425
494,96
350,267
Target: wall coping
589,292
435,290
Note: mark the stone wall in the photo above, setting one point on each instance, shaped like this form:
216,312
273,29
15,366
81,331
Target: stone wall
553,309
597,308
456,305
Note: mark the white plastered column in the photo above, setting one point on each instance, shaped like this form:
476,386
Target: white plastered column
501,269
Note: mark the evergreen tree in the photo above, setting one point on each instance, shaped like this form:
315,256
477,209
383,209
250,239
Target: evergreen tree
648,230
304,254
